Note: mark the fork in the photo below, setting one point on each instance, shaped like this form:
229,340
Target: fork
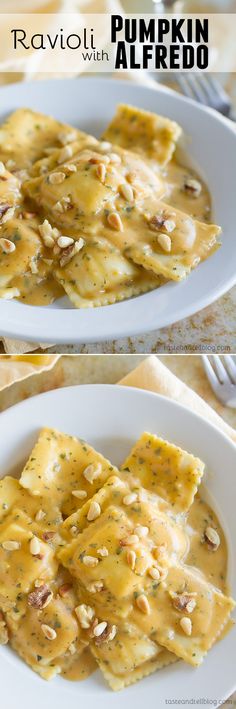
221,373
205,89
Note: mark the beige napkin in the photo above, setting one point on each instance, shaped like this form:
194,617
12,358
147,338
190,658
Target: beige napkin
16,368
154,376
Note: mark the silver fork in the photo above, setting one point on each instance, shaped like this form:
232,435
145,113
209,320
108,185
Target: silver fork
221,373
205,89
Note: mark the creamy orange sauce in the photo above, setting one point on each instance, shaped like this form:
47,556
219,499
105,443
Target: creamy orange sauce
129,551
140,179
214,564
82,668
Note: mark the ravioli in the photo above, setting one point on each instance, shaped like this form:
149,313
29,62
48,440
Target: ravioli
174,253
99,275
29,253
19,568
111,561
26,135
208,618
165,469
56,466
152,136
129,657
94,210
115,524
31,644
74,195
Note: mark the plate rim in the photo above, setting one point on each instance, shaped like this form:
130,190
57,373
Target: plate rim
139,393
79,327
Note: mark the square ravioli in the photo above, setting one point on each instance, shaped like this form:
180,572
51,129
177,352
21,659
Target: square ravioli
152,136
164,469
170,243
12,494
27,255
129,656
121,543
76,195
64,470
24,556
26,135
100,275
31,637
184,613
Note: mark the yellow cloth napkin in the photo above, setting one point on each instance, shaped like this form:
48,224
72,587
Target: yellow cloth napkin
16,368
154,376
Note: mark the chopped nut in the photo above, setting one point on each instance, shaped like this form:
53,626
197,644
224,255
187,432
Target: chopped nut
131,558
33,266
71,251
27,215
99,629
70,167
72,649
68,137
130,498
193,187
81,494
49,632
116,159
129,541
90,561
141,531
103,551
114,221
7,246
41,597
95,587
126,191
161,221
34,546
101,172
94,511
6,212
184,602
38,582
85,615
55,178
65,241
47,536
211,537
64,589
165,242
186,625
48,234
40,515
154,573
142,603
65,154
105,146
107,635
11,545
92,472
169,225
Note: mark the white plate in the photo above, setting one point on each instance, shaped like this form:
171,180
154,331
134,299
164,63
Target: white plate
89,104
112,418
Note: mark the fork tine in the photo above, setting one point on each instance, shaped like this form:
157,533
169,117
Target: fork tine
220,370
230,366
184,85
198,89
211,375
217,92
